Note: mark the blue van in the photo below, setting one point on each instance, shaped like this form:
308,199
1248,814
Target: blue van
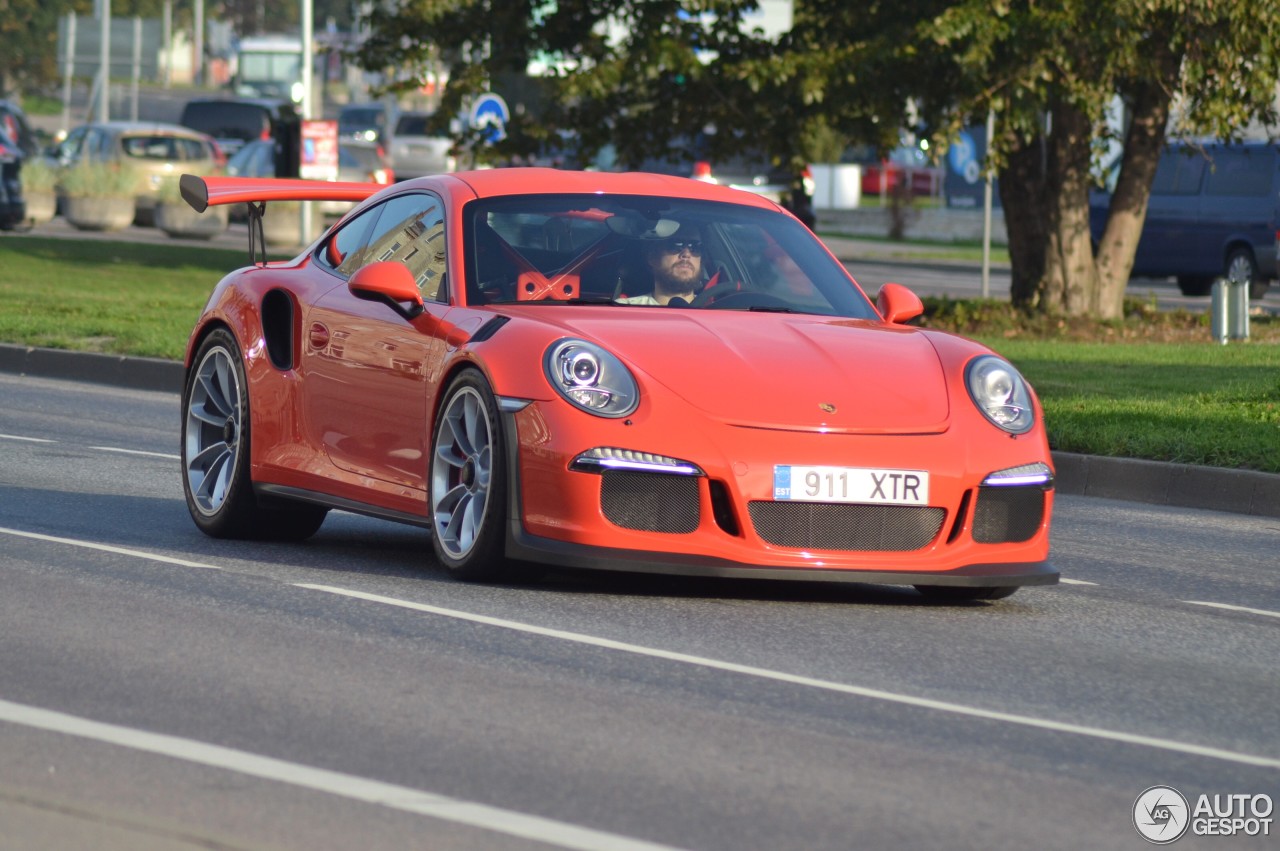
1214,212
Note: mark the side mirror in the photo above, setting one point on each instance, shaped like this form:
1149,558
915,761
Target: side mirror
391,283
897,304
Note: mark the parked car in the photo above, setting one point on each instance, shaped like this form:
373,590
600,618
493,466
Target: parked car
13,208
750,172
454,355
906,166
1214,211
414,152
157,151
363,122
234,122
14,124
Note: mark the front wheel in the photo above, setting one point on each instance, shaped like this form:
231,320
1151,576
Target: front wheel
959,593
215,453
468,484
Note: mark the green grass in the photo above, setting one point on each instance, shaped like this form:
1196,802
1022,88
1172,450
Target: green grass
100,296
1194,403
1150,386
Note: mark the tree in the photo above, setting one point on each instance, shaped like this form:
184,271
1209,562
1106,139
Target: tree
640,73
29,42
1050,71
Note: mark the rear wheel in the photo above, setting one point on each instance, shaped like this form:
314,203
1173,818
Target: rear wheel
215,453
958,593
1242,268
468,484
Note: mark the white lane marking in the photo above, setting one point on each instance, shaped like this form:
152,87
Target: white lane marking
1064,581
27,439
1233,608
794,679
165,455
349,786
107,548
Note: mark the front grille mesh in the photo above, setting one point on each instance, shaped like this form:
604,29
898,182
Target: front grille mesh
650,502
863,528
1008,515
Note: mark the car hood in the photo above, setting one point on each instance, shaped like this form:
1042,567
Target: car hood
776,371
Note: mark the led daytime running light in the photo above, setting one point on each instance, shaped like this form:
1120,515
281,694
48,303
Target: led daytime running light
1027,474
604,458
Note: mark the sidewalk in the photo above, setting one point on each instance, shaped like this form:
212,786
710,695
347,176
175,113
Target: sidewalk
1152,482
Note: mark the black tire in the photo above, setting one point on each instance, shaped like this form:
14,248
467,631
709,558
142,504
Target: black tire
467,484
1242,267
1194,284
959,593
215,453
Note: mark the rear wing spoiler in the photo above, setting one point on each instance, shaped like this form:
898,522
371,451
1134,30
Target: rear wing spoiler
205,192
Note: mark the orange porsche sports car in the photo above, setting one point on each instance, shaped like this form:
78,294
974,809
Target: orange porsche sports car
616,371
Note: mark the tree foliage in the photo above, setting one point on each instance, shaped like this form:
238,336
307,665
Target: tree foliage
640,73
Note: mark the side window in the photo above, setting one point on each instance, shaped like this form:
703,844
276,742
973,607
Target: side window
411,230
1241,172
1178,173
99,144
344,251
71,146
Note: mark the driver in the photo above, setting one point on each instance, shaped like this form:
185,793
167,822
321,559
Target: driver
676,264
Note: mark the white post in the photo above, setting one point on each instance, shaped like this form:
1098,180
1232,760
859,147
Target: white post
104,61
69,69
986,208
167,40
137,63
308,26
197,47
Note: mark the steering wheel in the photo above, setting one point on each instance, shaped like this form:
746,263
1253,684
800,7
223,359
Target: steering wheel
737,300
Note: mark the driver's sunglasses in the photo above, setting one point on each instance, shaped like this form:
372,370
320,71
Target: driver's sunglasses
676,246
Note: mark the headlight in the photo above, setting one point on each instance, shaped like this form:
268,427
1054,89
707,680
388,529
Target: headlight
1000,393
591,378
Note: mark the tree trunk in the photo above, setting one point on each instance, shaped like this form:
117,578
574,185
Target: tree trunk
1021,184
1070,285
1142,146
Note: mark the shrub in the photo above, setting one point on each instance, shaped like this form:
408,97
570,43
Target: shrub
88,179
38,176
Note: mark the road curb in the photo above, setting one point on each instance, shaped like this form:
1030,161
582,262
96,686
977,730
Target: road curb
1153,482
115,370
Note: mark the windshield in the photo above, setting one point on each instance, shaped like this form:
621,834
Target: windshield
636,252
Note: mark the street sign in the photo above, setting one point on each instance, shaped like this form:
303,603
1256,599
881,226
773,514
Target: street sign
489,114
319,150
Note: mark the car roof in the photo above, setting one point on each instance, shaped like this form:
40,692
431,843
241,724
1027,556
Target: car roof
498,182
147,127
267,103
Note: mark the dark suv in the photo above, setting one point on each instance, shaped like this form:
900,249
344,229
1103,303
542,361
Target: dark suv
233,122
13,208
1214,212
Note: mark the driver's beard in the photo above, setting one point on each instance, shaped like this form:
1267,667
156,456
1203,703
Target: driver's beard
665,282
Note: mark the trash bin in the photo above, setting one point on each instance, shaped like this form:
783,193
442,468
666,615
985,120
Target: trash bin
1229,310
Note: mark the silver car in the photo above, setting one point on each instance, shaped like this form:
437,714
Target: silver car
414,153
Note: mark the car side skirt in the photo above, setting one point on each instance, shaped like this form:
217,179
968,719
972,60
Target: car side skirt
267,492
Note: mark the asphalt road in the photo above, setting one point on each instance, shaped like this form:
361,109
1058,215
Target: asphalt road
159,689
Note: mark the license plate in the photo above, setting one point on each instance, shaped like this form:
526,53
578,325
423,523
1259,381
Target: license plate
850,484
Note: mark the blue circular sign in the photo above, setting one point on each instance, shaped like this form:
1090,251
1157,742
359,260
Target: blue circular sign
489,114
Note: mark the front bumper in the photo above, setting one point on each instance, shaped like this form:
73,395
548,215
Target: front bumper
564,517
